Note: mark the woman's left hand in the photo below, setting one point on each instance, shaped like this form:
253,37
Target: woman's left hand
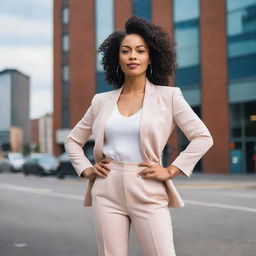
156,171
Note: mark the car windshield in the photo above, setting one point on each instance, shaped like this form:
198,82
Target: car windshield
15,156
46,159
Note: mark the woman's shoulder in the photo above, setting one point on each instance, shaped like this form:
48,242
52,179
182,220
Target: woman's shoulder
167,90
102,95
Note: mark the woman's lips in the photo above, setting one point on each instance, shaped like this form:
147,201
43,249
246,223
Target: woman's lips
133,66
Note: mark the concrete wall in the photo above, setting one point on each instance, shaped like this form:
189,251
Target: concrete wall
20,102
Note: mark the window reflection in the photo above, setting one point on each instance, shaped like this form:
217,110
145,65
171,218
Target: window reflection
142,8
241,30
65,15
186,33
243,133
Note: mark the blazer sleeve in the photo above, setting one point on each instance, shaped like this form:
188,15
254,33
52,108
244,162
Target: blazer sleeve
195,131
77,138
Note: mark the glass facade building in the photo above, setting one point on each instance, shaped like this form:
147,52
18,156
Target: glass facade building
187,37
104,14
142,8
241,27
241,34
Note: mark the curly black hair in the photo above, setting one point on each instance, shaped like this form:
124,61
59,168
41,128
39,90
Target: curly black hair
161,49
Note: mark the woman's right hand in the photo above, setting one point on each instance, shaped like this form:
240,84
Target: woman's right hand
100,169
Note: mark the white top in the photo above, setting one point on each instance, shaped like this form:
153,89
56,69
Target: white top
121,137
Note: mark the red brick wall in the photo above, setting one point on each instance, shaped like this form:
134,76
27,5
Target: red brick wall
82,58
34,131
122,10
215,83
56,72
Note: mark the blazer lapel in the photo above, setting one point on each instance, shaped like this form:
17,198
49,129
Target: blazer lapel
149,101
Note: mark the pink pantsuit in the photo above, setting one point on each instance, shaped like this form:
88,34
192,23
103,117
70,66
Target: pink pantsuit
123,197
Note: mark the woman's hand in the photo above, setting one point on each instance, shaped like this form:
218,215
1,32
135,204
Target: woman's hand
100,169
156,171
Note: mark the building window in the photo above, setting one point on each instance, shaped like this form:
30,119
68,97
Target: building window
241,33
142,8
65,43
104,26
65,118
65,15
186,25
65,73
186,33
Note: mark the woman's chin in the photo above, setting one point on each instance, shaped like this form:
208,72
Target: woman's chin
134,73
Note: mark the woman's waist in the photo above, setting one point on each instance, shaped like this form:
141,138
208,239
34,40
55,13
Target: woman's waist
126,165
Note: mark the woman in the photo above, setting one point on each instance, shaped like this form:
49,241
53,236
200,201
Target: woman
131,126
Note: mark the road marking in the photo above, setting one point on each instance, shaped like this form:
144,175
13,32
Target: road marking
49,192
213,186
41,191
241,195
25,189
20,245
223,206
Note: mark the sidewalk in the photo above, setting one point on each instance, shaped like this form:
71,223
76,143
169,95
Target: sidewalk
197,180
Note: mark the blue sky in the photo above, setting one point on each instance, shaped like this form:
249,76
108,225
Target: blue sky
26,44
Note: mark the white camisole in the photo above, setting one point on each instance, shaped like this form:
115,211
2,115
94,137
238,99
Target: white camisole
121,137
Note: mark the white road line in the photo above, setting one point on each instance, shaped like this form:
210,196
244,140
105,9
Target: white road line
41,191
25,189
223,206
48,192
244,195
20,245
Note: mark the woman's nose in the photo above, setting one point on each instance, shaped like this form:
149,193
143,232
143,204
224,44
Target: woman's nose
133,55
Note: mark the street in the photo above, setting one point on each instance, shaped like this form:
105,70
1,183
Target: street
45,216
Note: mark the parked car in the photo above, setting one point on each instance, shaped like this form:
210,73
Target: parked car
16,161
41,164
5,165
65,166
12,162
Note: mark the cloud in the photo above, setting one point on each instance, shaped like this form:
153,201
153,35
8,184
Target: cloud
41,102
35,62
28,9
20,32
26,45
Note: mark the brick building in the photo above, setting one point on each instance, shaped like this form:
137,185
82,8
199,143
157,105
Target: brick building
216,50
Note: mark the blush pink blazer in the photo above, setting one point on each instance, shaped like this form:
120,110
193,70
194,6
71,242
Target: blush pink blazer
163,108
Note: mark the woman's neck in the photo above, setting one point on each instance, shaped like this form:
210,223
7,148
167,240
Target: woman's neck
134,85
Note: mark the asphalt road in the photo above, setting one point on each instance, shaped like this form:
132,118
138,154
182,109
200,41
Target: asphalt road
45,216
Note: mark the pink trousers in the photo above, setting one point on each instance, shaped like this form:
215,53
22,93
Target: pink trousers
124,198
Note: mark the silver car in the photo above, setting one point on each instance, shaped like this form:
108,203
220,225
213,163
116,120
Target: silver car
41,164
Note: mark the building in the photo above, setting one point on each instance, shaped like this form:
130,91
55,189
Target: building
41,134
45,133
216,50
14,110
34,144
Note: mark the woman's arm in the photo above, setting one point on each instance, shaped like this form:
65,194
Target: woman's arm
195,131
77,138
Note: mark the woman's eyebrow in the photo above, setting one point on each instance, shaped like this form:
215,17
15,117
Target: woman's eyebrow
135,47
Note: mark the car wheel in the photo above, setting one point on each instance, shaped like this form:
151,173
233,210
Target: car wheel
42,173
60,175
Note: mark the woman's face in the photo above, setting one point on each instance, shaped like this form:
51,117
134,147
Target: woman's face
134,55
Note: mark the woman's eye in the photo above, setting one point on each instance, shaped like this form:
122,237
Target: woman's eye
141,51
124,51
